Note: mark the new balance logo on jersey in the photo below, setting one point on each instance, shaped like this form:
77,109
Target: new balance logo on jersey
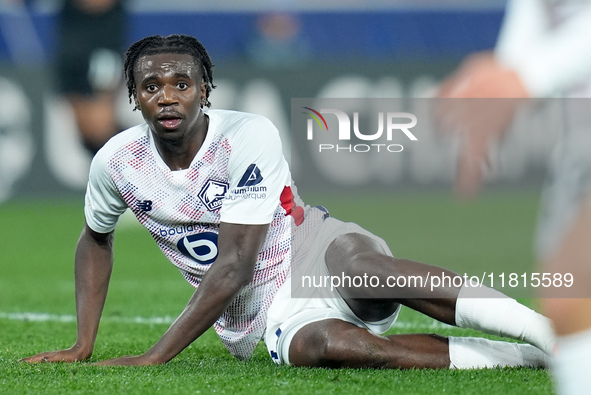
144,205
252,176
212,194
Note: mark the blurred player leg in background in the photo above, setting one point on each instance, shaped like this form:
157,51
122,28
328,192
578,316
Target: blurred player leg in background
544,50
91,39
564,246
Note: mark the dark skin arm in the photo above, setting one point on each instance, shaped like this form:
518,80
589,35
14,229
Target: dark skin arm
93,266
238,247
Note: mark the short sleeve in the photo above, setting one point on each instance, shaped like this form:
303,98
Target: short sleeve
257,172
550,58
103,204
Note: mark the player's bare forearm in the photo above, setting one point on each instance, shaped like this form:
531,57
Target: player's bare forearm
233,269
93,264
207,304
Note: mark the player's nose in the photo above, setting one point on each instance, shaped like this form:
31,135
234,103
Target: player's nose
167,96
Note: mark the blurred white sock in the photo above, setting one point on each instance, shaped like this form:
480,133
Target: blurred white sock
572,364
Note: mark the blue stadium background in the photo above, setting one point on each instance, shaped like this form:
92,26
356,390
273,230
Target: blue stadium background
388,30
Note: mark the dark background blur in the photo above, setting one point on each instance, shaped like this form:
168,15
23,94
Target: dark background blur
265,53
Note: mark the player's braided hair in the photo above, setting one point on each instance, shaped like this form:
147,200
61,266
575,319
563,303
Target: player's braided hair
175,43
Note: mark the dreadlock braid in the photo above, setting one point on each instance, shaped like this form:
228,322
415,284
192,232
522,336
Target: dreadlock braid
175,43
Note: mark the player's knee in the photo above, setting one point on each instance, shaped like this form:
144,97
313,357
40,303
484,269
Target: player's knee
567,314
309,346
556,309
351,253
321,345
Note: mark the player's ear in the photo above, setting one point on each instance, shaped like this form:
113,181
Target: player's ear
136,102
204,91
203,102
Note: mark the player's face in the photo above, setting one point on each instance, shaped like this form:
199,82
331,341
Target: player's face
169,93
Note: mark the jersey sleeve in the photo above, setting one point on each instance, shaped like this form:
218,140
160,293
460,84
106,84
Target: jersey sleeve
549,59
103,204
258,174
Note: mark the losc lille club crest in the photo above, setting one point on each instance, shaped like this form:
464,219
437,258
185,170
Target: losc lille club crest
212,194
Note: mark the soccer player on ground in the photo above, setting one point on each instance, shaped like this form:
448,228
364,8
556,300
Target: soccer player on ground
543,51
216,194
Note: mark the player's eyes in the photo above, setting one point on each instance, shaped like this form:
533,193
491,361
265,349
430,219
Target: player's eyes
151,88
183,85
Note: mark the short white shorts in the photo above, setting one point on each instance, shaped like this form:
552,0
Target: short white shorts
288,314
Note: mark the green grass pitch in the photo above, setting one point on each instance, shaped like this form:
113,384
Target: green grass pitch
37,302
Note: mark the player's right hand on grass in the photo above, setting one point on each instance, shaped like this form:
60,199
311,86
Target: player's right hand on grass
74,354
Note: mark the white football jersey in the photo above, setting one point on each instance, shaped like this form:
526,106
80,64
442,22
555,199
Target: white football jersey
238,176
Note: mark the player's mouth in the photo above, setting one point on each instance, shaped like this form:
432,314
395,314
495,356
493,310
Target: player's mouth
170,120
